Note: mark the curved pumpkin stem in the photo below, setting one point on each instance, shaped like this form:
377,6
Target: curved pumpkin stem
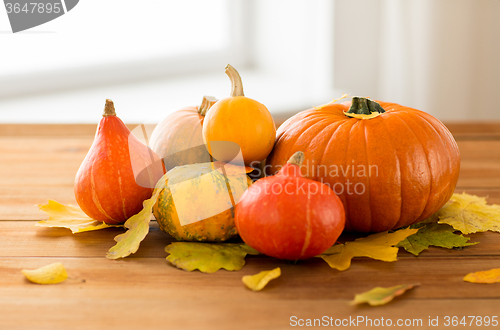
236,84
297,158
362,106
109,109
206,104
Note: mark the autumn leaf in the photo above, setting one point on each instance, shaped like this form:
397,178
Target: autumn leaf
138,227
258,281
434,234
71,217
470,214
381,296
49,274
208,258
489,276
378,246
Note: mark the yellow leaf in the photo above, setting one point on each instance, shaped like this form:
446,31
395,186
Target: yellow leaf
138,227
381,296
489,276
377,246
470,214
50,274
258,281
71,217
208,258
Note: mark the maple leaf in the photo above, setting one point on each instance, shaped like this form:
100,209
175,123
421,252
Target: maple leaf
434,234
377,246
71,217
49,274
381,296
258,281
208,258
469,214
488,276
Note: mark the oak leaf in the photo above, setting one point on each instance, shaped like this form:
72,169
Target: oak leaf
381,296
378,246
469,214
440,235
207,257
258,281
49,274
69,216
488,276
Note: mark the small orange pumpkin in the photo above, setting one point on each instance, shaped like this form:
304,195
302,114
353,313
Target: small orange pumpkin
239,121
177,139
391,165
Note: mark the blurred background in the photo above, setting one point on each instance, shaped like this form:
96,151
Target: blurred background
153,57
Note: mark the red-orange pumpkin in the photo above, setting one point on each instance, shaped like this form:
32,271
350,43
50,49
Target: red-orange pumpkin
118,173
391,165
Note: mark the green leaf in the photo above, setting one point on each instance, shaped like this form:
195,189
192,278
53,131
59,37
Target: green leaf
258,281
208,258
381,296
440,235
138,227
71,217
378,246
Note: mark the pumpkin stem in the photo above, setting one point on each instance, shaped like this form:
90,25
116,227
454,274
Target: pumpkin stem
236,84
364,106
109,109
206,104
297,158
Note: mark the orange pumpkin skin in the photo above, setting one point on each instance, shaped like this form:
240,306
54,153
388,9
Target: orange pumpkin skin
411,162
106,187
178,140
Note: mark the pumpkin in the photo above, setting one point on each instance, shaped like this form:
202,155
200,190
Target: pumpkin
197,203
391,165
118,173
287,216
238,123
177,139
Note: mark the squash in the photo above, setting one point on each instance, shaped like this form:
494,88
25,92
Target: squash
391,165
177,139
287,216
197,203
239,123
118,173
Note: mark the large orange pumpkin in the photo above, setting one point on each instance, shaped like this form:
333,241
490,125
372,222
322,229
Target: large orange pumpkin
177,139
391,165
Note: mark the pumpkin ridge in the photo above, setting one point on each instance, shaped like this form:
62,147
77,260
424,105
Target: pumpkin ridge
346,206
367,189
340,124
95,198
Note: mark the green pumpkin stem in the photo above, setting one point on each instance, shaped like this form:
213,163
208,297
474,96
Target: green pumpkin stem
236,84
364,106
206,104
297,158
109,109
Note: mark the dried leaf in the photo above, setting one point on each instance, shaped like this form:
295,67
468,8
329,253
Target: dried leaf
489,276
49,274
377,246
71,217
258,281
470,214
208,258
434,234
138,227
381,296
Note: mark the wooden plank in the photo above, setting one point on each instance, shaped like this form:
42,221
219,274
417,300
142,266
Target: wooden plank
24,239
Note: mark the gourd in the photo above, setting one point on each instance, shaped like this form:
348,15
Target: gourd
391,165
197,203
177,139
238,123
287,216
118,173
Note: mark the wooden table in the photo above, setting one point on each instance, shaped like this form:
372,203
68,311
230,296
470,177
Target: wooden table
144,291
